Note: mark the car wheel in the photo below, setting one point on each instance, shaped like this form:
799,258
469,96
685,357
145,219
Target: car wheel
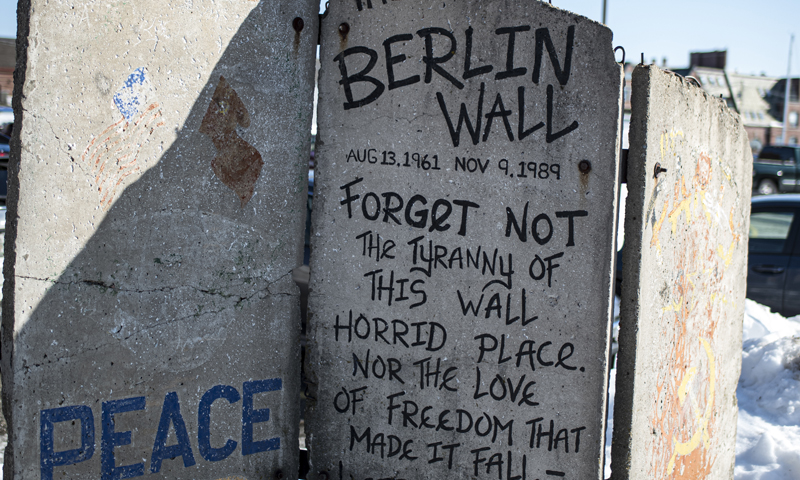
767,187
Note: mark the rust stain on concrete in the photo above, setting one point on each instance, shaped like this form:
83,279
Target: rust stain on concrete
237,164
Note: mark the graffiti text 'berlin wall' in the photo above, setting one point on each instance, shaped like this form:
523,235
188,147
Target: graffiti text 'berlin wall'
464,226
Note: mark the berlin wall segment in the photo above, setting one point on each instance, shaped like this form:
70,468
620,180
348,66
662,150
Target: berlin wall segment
150,325
463,236
687,221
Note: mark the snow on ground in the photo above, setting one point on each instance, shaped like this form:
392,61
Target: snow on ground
769,397
768,431
612,389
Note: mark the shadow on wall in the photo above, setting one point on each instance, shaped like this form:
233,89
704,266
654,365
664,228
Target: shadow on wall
164,337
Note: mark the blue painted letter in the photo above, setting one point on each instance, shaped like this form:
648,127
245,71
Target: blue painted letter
204,423
251,416
49,458
112,438
171,413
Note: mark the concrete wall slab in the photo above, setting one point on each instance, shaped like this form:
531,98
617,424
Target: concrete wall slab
684,281
156,211
463,240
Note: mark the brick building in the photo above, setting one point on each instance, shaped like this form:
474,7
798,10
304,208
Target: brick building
8,59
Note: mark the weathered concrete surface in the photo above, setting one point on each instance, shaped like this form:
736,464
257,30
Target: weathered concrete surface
683,288
412,233
150,323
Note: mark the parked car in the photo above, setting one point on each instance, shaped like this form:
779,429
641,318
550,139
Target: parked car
4,148
773,272
775,170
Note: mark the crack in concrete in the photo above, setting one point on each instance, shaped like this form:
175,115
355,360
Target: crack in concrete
213,291
64,149
103,285
68,356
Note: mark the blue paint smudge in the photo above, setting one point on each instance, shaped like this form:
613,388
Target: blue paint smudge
130,98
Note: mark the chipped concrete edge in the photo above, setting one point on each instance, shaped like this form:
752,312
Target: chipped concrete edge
10,253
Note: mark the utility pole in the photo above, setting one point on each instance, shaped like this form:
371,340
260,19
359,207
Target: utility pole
786,96
605,4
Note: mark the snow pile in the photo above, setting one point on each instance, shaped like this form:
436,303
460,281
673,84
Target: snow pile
769,397
612,388
760,322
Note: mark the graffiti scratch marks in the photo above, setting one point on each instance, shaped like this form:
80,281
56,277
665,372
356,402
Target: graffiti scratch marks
237,164
112,156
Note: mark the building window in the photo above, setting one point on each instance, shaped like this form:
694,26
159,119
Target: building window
793,119
793,140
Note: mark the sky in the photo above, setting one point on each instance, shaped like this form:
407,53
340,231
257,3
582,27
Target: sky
755,33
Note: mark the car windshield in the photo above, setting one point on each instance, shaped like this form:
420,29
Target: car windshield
776,154
769,231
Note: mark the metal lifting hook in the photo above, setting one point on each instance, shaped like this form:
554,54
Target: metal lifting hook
692,79
623,54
